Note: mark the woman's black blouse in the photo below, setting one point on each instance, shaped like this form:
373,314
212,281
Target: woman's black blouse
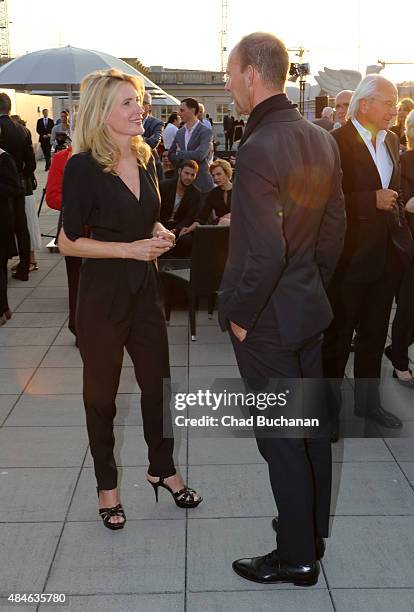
215,206
407,182
102,202
10,188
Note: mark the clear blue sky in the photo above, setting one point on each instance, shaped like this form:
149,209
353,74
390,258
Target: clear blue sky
344,34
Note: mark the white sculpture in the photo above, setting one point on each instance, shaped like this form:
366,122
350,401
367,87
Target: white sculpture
333,81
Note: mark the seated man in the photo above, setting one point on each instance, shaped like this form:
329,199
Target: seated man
180,203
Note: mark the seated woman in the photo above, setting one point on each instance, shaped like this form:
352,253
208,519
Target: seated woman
217,205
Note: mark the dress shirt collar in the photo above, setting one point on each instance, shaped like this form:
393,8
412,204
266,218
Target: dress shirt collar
367,135
192,128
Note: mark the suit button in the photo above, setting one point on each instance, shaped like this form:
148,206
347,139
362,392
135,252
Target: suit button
280,213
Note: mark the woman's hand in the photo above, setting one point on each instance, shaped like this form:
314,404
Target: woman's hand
147,250
161,232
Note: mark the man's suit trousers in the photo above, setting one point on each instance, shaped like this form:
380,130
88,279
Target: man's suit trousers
142,331
299,469
366,308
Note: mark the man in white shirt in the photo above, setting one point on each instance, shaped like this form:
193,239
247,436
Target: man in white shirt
170,130
377,243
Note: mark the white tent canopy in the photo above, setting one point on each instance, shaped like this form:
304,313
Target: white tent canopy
60,71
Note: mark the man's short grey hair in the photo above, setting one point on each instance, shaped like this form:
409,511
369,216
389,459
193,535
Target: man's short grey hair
266,54
327,111
367,88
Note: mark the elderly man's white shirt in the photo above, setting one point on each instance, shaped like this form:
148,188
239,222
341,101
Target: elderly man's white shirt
379,153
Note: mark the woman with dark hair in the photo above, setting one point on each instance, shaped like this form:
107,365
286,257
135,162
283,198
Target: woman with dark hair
110,185
10,188
403,324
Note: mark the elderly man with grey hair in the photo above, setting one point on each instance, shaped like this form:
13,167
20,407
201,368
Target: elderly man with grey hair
326,120
377,244
286,235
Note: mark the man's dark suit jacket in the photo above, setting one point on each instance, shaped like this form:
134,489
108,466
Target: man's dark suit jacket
42,130
369,230
16,140
188,208
228,124
153,131
287,224
324,123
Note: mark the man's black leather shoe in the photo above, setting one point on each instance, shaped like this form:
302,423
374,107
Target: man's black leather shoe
269,569
382,417
319,542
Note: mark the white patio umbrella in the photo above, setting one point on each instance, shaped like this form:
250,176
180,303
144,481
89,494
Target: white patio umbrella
61,70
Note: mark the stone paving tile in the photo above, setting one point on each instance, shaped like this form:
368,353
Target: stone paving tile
305,600
42,446
232,491
37,319
373,600
222,451
36,494
144,557
370,552
222,541
211,354
371,488
363,449
13,381
27,336
47,411
136,494
44,305
171,602
29,550
49,293
6,404
408,469
21,356
131,449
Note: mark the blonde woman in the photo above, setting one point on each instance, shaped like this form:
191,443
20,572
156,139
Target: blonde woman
110,186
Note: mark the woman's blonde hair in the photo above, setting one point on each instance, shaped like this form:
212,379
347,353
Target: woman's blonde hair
99,91
225,165
409,129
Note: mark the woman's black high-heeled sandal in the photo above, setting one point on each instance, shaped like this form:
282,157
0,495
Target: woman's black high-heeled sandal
184,498
107,513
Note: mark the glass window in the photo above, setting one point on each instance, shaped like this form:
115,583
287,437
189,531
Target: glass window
221,110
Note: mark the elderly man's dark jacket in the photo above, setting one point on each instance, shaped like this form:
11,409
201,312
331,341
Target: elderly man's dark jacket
188,208
287,224
370,231
17,141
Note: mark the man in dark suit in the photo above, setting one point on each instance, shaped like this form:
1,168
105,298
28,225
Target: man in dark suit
286,234
44,129
180,204
377,244
153,132
228,128
16,140
193,141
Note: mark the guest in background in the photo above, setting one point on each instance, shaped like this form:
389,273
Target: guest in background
10,190
403,324
228,128
170,130
17,141
168,169
326,120
54,200
44,128
217,205
238,129
342,102
61,130
405,106
192,142
201,117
